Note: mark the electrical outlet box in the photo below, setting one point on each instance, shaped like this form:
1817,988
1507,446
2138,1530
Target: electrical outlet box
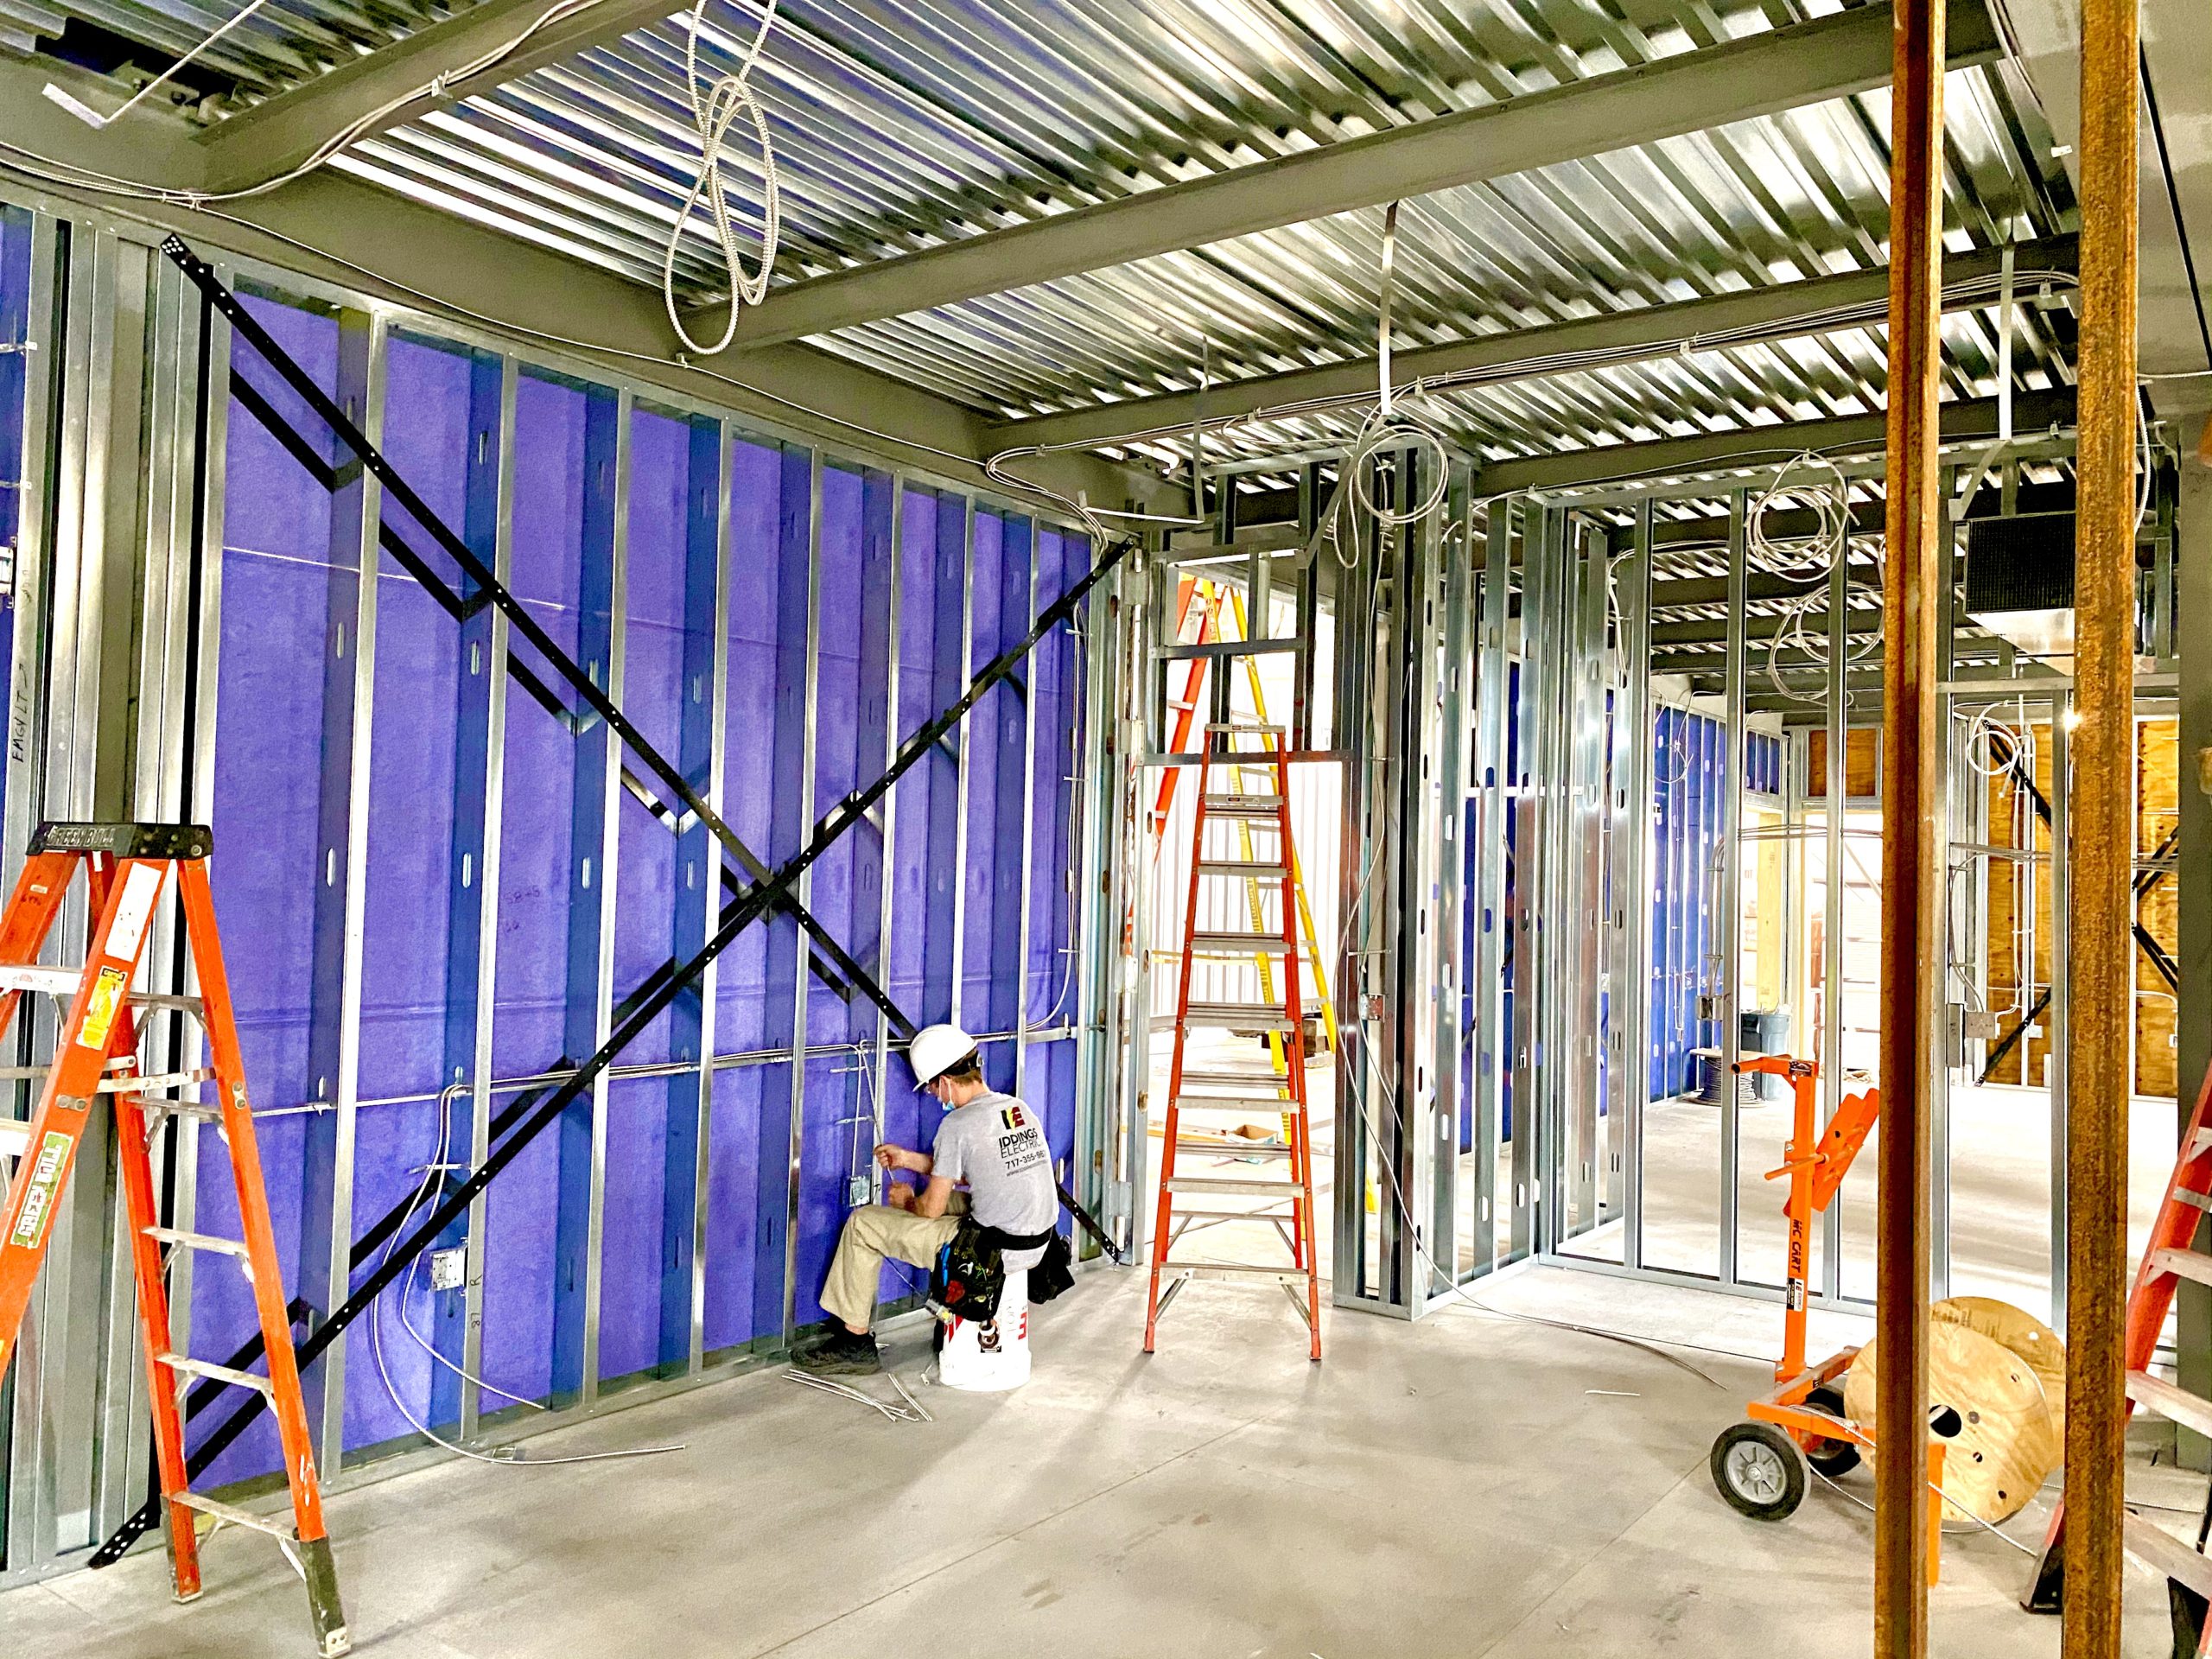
859,1190
449,1269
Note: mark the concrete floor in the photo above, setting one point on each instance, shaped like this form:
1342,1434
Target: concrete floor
1462,1487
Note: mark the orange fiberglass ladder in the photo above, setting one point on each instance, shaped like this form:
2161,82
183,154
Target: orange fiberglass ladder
1256,797
2170,1257
95,1053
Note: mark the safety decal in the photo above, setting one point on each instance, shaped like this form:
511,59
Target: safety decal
134,910
100,1010
46,1181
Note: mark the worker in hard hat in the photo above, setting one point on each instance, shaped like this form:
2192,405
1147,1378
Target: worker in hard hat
992,1144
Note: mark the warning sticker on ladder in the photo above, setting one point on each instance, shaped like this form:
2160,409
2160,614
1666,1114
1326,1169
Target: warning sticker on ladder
132,911
46,1177
101,1009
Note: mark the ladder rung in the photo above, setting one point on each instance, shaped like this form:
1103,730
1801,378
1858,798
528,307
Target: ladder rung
1233,1183
2173,1404
1268,1079
1233,1270
2200,1141
156,1080
1257,729
215,1373
1244,806
15,1136
1239,1016
277,1526
2195,1200
1231,648
1275,1217
2183,1264
201,1242
1230,1103
1238,944
1246,868
2165,1554
1232,1148
63,982
1177,702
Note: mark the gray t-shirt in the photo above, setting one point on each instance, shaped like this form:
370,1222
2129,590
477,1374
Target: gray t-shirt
996,1144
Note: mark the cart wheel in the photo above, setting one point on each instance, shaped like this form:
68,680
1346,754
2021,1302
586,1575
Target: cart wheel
1830,1457
1759,1470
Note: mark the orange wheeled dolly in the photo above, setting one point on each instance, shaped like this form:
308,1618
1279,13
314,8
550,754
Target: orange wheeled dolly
1759,1464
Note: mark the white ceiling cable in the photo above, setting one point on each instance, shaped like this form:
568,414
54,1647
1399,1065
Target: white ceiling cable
715,109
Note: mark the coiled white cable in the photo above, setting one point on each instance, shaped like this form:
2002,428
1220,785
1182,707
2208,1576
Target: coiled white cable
716,107
1809,481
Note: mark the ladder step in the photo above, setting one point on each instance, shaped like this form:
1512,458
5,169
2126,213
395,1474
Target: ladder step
2183,1264
1229,1184
277,1526
2163,1554
1230,648
63,982
236,1247
1246,868
139,1085
1239,1016
1257,729
1234,1270
1244,806
15,1136
1205,943
214,1373
2200,1141
2195,1200
1268,1079
2173,1404
1231,1148
1230,1103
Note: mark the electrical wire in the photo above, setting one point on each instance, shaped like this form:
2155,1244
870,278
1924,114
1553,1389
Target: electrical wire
912,1411
713,112
508,1456
1979,1523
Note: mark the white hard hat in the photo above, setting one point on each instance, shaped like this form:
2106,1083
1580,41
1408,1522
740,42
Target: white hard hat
936,1050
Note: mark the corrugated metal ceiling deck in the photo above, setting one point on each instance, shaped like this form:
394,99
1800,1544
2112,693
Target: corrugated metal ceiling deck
900,124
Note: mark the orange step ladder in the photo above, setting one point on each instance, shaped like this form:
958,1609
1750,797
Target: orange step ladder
127,865
1213,1088
2169,1258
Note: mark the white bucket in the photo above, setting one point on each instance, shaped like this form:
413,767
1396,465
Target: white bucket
992,1356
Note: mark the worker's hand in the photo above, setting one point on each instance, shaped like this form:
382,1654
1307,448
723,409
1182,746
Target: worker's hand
890,1157
899,1197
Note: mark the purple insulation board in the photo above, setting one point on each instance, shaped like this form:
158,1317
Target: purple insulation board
405,921
807,649
277,574
537,887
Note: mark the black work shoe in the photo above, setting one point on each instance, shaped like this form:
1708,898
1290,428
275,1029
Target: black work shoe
843,1355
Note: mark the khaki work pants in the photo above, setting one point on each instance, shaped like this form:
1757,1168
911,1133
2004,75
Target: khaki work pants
870,1235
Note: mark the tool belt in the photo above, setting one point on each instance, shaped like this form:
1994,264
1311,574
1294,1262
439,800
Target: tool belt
970,1273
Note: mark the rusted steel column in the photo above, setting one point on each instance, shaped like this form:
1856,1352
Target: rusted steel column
1916,595
2102,955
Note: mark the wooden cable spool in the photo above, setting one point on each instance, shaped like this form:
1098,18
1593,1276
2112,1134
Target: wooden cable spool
1988,1405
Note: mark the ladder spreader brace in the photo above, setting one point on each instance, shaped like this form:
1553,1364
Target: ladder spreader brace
529,1116
95,1053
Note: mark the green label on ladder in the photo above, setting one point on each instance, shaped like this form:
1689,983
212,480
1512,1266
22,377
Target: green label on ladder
46,1176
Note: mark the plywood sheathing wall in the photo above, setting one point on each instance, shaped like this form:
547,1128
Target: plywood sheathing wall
2157,805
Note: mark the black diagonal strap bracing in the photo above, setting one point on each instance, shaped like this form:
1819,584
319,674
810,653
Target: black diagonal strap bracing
456,547
643,1006
822,948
